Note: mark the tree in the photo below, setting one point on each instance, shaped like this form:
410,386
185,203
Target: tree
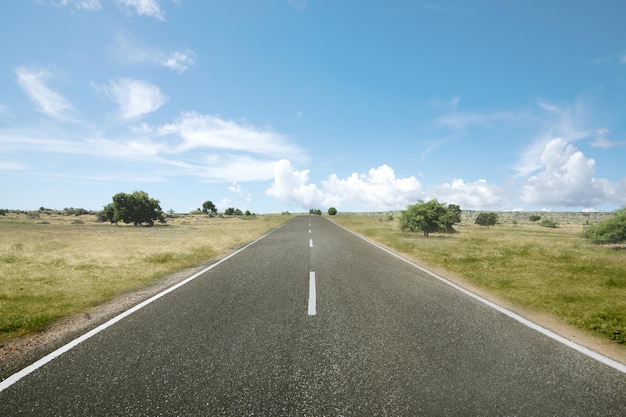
332,211
610,230
136,208
315,211
534,218
429,217
209,207
487,219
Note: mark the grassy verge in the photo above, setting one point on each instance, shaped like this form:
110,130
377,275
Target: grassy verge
55,266
551,271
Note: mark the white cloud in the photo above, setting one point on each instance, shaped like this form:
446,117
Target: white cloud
298,4
33,82
379,189
601,140
293,186
472,196
150,8
238,189
566,179
135,97
92,5
206,131
127,50
12,166
179,61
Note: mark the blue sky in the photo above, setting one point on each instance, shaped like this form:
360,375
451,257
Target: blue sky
287,105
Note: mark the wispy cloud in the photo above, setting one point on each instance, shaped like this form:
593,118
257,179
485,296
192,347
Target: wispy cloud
207,131
601,140
12,166
150,8
127,50
179,61
92,5
135,98
298,4
50,102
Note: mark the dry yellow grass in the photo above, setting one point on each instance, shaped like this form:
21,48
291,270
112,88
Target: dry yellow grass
54,269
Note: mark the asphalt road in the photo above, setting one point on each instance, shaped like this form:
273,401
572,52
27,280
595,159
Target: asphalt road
382,339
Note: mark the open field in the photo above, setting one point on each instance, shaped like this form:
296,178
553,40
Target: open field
54,266
551,271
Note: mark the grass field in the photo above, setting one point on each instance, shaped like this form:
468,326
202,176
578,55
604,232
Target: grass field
552,271
54,266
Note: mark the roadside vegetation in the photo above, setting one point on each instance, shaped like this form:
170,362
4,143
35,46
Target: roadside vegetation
53,265
552,270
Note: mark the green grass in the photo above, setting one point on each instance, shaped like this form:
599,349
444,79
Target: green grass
547,270
54,266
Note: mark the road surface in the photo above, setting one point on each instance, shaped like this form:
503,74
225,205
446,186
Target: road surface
311,320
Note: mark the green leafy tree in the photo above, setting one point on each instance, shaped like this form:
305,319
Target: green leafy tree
209,207
315,211
486,219
332,211
610,230
135,208
429,217
534,218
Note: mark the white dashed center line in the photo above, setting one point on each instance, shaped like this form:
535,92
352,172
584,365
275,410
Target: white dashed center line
312,294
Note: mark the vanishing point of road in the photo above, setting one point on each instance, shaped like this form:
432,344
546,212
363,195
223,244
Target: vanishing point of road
311,320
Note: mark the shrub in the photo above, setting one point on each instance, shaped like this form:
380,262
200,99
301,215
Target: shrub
332,211
610,230
549,223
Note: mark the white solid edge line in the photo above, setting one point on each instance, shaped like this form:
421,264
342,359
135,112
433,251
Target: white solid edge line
585,351
312,294
41,362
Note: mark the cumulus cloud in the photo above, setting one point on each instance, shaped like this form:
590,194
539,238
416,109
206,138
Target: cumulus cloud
135,97
473,196
379,189
33,82
566,179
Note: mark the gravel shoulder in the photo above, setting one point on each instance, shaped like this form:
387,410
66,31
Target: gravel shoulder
17,353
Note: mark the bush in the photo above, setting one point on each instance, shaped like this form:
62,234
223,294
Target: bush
549,223
332,211
610,230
